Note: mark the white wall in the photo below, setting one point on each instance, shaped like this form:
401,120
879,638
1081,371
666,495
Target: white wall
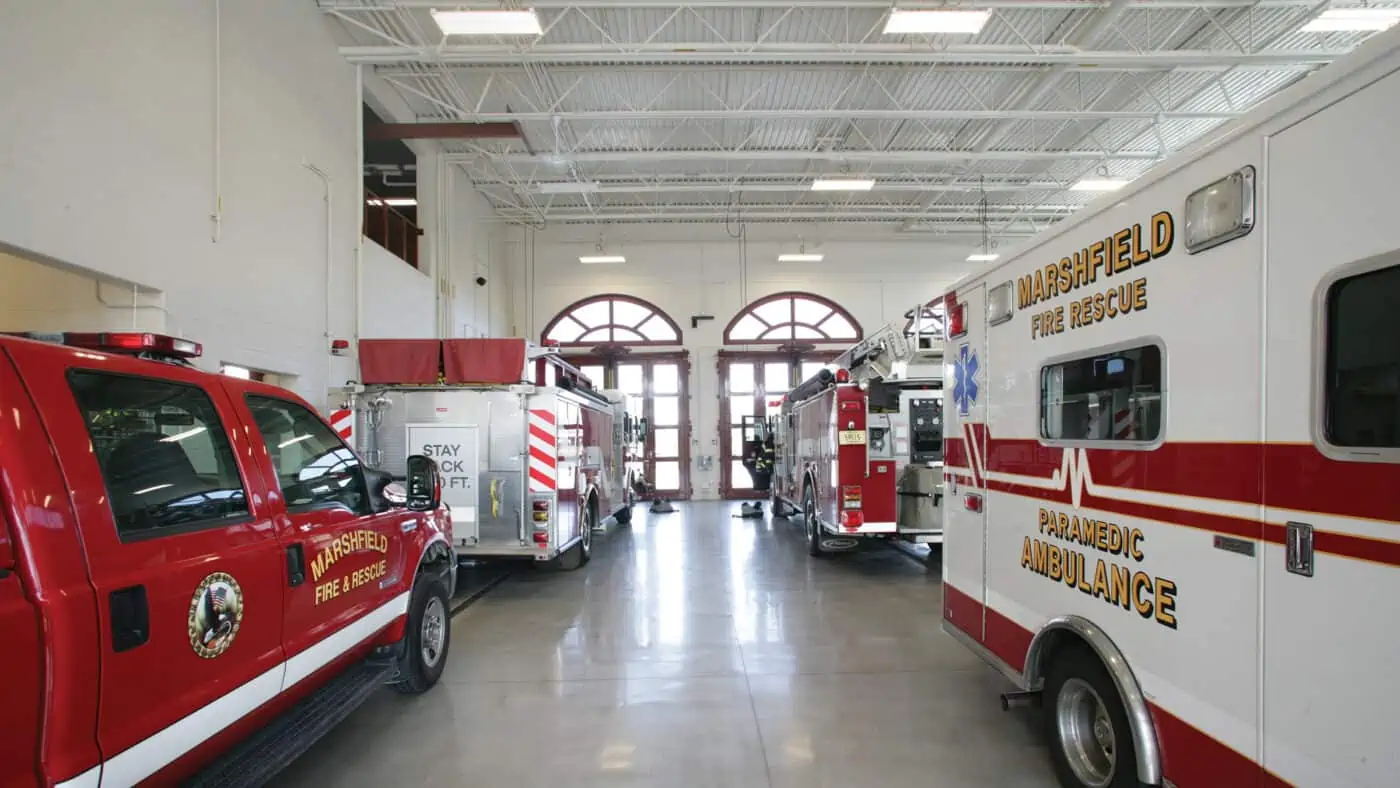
690,270
40,297
398,297
108,163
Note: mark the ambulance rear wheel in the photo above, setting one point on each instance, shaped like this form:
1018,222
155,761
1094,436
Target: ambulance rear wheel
1091,744
812,524
426,639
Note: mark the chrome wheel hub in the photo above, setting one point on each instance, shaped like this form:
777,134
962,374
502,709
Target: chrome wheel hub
1085,733
434,634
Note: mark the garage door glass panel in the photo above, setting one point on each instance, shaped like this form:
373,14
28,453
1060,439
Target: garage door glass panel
593,372
597,335
810,368
739,477
740,378
668,442
775,377
163,453
666,411
666,378
739,407
629,379
668,475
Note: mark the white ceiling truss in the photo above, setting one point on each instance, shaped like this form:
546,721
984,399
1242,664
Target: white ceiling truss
726,110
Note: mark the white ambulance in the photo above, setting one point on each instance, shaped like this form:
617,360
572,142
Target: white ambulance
1172,456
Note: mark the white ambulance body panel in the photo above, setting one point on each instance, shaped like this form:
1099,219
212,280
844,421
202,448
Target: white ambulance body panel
1154,510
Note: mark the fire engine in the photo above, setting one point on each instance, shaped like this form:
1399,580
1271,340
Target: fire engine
533,458
1171,456
138,494
858,451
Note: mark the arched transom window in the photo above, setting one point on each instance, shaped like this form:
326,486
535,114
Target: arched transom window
612,319
787,317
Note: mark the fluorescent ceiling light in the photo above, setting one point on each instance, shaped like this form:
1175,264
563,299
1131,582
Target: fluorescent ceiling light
488,23
842,185
955,22
1099,185
602,258
982,258
1353,20
568,187
803,257
395,202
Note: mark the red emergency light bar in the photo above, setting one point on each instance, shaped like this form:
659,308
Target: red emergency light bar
134,342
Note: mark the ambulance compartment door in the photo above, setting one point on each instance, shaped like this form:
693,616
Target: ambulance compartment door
1332,459
965,507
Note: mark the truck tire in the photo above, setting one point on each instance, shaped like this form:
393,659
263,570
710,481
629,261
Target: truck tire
1091,744
582,551
427,638
811,524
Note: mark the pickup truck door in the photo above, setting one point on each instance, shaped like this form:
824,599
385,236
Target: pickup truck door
346,561
180,549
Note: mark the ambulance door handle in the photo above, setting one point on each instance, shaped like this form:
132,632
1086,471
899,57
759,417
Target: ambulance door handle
1298,549
131,618
296,565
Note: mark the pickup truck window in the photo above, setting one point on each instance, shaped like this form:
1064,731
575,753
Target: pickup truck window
164,455
314,468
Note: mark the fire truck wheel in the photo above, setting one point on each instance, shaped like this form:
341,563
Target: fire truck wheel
428,636
1090,742
809,521
582,551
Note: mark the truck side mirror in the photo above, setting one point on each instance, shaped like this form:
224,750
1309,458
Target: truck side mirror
424,484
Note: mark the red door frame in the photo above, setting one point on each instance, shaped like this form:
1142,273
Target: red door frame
647,360
758,358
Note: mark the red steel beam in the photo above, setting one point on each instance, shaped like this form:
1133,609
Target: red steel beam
439,131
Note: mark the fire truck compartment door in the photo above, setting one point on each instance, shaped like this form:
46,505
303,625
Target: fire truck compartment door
456,450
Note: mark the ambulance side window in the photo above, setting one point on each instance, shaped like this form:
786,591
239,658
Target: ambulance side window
314,468
1362,387
164,455
1112,396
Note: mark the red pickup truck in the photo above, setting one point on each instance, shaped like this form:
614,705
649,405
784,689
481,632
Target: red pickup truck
197,576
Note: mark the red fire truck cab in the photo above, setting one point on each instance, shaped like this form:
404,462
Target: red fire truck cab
197,576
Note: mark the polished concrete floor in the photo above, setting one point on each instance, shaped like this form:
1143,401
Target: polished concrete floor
698,649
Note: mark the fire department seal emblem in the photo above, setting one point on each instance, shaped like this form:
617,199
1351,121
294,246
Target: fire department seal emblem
216,613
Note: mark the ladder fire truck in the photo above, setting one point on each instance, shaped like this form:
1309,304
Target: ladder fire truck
1173,455
858,451
533,458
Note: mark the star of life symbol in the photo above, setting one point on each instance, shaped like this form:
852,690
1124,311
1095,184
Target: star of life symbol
965,380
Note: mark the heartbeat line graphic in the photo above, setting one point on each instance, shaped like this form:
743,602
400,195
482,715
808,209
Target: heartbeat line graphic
1072,473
